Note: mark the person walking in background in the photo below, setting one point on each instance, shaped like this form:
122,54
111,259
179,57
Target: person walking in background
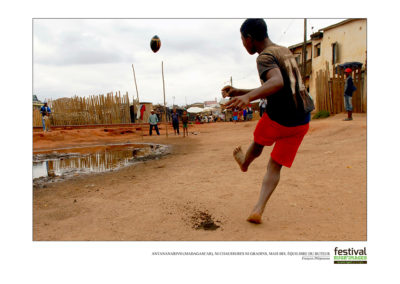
249,113
153,121
263,106
45,111
245,114
349,88
185,120
175,121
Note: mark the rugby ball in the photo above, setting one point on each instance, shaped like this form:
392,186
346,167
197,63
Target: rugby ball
155,43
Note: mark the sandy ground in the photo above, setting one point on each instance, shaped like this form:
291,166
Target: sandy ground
322,197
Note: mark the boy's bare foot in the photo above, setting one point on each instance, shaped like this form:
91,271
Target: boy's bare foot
239,157
254,218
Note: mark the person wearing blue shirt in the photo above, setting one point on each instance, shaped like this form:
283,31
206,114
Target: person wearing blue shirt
175,121
45,111
153,120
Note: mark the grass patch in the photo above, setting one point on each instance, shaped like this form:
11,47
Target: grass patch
321,114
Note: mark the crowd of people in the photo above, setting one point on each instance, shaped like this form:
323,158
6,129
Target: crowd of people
182,117
245,114
176,118
206,118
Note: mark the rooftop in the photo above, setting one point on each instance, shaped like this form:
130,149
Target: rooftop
340,23
299,44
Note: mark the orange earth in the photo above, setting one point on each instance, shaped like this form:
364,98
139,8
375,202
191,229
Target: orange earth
321,198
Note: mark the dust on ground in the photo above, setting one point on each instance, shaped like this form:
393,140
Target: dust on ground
203,220
198,186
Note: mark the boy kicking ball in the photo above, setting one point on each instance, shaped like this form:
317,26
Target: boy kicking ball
287,116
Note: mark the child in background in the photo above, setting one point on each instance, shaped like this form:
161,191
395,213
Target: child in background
175,121
235,115
185,120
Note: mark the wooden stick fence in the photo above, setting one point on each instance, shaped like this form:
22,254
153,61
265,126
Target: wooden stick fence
37,117
324,99
102,109
330,90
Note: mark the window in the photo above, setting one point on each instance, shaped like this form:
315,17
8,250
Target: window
298,59
317,50
335,53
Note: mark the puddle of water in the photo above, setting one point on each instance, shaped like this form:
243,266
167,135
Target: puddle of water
94,159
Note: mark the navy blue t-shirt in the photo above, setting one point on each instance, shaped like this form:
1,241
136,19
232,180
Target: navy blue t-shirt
349,87
175,117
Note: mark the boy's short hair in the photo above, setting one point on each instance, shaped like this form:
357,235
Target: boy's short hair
256,28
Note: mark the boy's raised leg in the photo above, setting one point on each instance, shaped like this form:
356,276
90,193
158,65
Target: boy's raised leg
244,160
271,180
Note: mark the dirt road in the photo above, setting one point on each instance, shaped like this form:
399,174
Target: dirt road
322,197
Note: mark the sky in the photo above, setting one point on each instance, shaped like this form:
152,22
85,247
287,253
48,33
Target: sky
86,57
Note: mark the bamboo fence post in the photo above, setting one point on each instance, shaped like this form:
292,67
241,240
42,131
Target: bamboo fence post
318,89
328,92
334,89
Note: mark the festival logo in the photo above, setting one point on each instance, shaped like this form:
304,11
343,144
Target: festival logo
350,256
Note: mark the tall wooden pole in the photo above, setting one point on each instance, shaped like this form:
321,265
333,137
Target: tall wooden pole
134,76
165,108
304,52
137,94
231,81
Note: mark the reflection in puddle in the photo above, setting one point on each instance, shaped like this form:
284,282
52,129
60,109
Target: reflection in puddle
92,159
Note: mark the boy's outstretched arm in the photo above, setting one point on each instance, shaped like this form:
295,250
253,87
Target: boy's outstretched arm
274,82
229,91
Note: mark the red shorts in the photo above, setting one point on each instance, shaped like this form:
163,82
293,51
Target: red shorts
287,139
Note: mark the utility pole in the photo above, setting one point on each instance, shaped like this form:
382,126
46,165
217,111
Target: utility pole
231,81
134,77
165,108
137,95
304,51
